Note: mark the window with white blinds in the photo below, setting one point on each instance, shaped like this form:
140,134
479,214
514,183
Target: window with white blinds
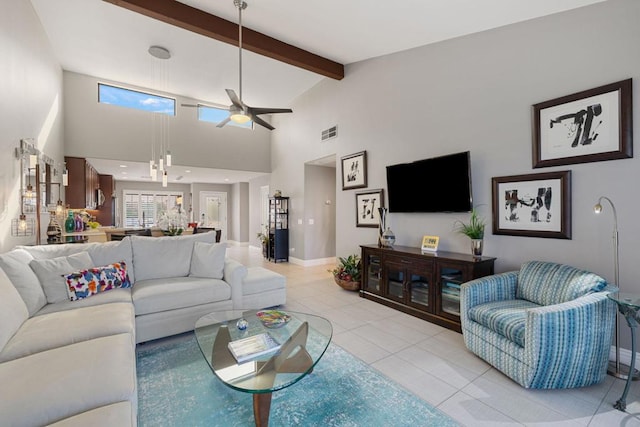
142,208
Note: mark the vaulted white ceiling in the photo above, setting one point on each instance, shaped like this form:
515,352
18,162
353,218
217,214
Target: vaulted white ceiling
100,39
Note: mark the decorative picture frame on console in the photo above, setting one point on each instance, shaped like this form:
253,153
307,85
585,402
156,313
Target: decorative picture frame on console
588,126
367,204
534,205
354,171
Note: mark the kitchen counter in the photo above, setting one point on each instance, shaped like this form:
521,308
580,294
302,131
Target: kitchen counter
91,235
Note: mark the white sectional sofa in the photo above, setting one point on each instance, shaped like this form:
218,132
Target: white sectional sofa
72,362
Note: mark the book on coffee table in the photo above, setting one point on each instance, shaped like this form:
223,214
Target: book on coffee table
250,348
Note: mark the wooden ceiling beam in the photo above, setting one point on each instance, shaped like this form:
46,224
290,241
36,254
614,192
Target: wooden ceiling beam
192,19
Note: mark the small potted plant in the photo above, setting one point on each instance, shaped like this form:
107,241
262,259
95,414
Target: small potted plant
347,273
473,230
264,239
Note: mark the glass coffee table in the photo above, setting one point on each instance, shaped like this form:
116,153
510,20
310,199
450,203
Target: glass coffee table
303,339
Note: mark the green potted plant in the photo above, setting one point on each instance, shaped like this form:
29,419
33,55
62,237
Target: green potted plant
474,229
347,273
264,239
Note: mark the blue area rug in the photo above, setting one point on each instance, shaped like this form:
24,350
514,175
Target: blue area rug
177,388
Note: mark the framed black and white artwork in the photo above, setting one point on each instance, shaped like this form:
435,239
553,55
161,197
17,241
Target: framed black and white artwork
534,205
367,204
588,126
354,171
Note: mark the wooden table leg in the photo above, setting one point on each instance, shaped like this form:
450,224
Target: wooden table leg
261,408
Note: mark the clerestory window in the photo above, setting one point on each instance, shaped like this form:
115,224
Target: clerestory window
122,97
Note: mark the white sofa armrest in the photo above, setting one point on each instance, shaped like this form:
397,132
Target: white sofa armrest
234,274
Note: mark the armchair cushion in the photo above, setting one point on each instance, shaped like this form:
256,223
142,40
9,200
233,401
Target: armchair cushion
547,283
506,318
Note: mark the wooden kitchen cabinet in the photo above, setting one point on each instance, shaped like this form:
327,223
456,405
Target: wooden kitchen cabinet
83,184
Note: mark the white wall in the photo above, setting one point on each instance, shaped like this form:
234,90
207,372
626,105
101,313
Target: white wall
475,93
255,217
112,132
240,212
31,106
320,196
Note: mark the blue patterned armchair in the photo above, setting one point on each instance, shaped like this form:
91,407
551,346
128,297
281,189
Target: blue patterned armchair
546,326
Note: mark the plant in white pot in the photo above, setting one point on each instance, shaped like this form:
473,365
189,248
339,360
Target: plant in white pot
474,230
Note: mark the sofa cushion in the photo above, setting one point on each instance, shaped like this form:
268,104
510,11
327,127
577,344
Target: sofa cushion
15,264
113,296
84,283
55,251
156,295
52,385
259,280
111,252
41,333
208,260
13,311
165,257
548,283
506,317
50,273
119,414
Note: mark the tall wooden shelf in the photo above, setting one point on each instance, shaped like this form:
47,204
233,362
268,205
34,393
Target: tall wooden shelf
278,249
425,285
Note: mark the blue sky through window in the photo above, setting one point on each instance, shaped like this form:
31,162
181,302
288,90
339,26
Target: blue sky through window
133,99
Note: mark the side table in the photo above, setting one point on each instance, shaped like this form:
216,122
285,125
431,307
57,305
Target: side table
628,305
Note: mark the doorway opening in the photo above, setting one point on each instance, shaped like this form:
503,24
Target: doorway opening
213,211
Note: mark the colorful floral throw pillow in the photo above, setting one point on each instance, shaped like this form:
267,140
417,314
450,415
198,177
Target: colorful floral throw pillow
84,283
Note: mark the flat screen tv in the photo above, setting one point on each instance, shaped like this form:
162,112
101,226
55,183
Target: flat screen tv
439,184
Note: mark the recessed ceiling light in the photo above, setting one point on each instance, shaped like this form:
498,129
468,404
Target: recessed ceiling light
187,171
226,180
123,166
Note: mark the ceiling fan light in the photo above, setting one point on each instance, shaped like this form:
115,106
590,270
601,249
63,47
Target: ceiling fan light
239,117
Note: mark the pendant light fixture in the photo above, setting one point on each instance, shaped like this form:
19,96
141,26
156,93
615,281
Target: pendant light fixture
160,135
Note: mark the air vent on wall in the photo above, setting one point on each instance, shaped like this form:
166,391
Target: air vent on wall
330,133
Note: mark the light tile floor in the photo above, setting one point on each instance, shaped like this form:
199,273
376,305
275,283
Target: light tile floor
433,363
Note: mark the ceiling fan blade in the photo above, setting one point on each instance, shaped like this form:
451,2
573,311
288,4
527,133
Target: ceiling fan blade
234,98
270,110
261,122
189,105
224,122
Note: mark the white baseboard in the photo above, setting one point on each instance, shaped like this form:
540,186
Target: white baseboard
625,356
236,243
312,262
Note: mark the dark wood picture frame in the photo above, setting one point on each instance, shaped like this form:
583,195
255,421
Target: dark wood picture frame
354,171
529,205
367,204
588,126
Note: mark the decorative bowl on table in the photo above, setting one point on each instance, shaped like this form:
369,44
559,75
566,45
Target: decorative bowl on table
273,318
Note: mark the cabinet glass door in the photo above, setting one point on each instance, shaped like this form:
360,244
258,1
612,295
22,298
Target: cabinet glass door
374,273
450,280
419,290
395,282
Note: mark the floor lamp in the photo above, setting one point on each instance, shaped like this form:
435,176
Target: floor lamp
616,368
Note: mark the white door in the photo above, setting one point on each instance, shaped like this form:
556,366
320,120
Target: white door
213,211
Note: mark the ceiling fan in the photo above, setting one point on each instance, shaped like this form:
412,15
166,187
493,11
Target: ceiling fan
239,112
